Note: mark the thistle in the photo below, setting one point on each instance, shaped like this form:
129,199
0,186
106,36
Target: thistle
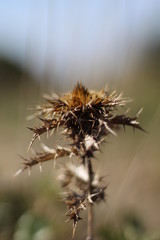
86,118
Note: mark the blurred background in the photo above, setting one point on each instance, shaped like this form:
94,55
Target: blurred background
47,46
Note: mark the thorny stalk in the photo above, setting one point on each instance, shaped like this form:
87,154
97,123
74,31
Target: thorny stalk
90,222
90,203
86,118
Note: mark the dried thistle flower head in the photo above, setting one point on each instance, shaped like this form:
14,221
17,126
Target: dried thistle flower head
86,118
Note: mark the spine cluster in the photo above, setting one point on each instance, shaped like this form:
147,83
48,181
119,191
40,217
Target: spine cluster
86,118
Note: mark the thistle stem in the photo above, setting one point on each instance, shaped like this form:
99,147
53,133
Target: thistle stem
90,204
90,222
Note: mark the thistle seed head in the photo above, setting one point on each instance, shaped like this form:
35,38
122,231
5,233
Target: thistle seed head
86,118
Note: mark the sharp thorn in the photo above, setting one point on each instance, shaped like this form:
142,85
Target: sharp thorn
52,131
47,133
29,146
29,171
18,172
40,166
32,129
139,112
54,163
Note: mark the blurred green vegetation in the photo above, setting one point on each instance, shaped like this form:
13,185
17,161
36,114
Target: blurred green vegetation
131,229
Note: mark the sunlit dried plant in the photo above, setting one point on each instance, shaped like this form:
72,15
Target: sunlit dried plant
86,117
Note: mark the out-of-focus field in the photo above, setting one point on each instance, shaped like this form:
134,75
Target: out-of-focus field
30,207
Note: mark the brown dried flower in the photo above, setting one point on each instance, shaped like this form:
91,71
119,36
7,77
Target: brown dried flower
86,117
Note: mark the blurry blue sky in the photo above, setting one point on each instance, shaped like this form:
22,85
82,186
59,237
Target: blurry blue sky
66,34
